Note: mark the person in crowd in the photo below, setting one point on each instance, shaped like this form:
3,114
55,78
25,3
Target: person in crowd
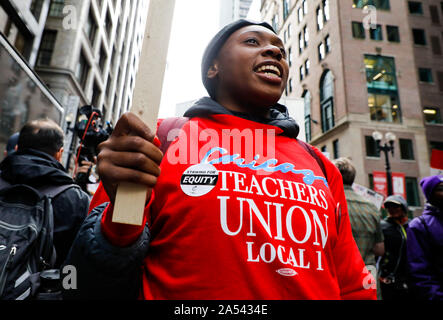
37,164
11,145
222,220
425,243
365,219
393,265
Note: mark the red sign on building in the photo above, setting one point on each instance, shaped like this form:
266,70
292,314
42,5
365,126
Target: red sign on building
398,183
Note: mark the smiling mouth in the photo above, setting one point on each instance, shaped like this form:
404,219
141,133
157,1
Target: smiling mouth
269,70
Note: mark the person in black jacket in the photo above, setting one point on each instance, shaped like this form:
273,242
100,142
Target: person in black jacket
393,265
36,163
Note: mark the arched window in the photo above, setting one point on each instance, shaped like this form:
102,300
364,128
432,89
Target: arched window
307,100
327,101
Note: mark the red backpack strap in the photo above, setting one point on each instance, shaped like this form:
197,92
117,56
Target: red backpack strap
167,125
311,151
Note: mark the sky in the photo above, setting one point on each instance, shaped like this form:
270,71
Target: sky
194,24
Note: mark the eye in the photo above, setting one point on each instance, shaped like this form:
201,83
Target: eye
252,41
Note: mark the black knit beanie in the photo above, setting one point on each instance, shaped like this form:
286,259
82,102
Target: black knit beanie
217,43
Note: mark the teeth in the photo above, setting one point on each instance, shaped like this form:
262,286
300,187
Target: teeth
269,68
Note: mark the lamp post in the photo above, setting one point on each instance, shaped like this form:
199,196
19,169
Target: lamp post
387,147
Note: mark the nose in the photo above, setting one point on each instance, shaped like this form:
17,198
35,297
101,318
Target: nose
273,51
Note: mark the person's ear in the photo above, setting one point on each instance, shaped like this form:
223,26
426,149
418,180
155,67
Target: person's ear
212,71
58,155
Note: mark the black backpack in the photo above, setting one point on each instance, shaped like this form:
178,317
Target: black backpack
26,238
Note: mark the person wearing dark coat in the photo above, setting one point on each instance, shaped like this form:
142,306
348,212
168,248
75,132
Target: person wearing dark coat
36,164
425,243
393,266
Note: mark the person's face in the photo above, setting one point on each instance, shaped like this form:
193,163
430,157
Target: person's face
251,70
437,196
395,211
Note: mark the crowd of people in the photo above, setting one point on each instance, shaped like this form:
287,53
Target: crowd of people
214,240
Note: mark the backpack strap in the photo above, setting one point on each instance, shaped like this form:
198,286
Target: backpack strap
54,191
165,127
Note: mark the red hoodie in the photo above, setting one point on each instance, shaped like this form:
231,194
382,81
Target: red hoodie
246,218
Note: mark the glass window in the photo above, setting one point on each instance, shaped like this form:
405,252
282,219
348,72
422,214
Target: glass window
307,103
56,8
327,101
321,51
305,7
393,34
435,45
82,70
327,44
371,147
419,36
435,17
376,33
406,149
384,107
307,67
36,8
320,18
290,57
358,30
335,149
302,73
306,36
425,75
379,4
300,14
432,115
380,73
415,7
300,42
285,9
412,196
46,48
326,14
91,27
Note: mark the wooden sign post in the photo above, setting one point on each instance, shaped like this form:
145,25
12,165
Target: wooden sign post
130,198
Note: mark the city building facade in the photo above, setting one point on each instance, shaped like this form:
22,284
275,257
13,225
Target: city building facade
85,51
357,65
231,10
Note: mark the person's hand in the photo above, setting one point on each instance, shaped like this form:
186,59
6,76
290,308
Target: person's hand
129,155
85,167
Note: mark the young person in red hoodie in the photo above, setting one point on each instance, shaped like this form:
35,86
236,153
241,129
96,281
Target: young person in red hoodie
237,208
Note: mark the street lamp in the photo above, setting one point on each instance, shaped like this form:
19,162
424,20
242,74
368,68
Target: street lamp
387,147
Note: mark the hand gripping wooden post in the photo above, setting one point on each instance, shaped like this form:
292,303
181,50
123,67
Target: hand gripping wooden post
130,198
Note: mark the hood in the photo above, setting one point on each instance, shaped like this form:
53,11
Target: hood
431,210
398,200
428,185
279,115
34,168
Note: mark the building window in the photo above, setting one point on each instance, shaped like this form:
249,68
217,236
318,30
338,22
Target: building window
376,33
381,81
285,9
289,30
108,24
412,196
358,31
415,7
95,95
432,115
46,48
335,149
290,85
371,147
275,22
305,7
307,102
82,70
419,36
327,44
102,59
306,36
440,80
393,34
290,57
425,75
307,67
91,28
319,18
379,4
324,149
406,149
435,17
327,101
56,8
326,13
435,45
36,8
302,73
300,14
321,51
300,42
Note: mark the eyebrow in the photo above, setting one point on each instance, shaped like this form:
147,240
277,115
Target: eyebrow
262,34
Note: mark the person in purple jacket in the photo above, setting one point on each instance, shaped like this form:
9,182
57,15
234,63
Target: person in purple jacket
425,243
